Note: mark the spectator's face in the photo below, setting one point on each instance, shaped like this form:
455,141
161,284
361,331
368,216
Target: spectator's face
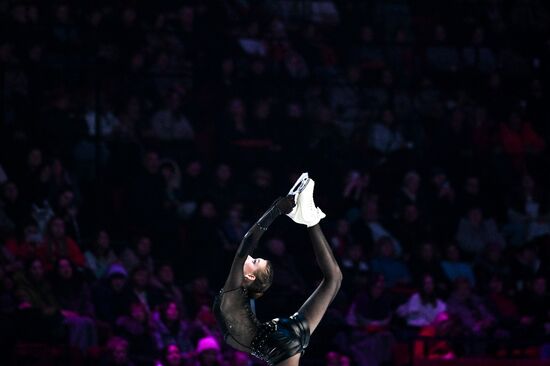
262,178
103,240
11,192
62,13
18,13
345,361
223,173
31,234
209,357
174,101
173,355
35,158
228,66
138,313
528,183
117,283
144,247
539,286
194,169
172,312
475,216
386,249
411,213
57,167
263,109
208,210
37,270
166,274
463,288
440,34
332,359
241,359
453,254
354,74
472,185
58,228
141,278
355,253
427,253
294,110
64,269
66,199
412,182
428,284
152,162
187,15
367,35
236,108
168,173
200,284
378,287
120,354
495,285
343,227
439,179
514,122
129,15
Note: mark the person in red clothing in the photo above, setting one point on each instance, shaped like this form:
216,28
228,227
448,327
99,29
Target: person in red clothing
57,245
24,248
518,139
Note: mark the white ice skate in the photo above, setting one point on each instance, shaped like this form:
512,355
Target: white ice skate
305,212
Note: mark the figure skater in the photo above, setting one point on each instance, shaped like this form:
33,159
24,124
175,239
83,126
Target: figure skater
280,341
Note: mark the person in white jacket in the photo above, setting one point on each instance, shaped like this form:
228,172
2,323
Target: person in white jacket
423,306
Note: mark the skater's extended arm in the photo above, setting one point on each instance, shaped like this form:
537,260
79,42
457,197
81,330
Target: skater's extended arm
317,304
325,258
250,240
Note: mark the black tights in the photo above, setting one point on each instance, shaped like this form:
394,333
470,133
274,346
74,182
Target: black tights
316,305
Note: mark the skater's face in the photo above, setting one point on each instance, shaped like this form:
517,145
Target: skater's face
252,265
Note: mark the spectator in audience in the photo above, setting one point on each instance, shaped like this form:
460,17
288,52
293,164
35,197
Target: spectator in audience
427,261
423,306
502,305
136,328
116,353
355,269
24,248
535,313
454,268
385,136
476,232
519,140
140,255
165,283
470,309
170,123
112,296
142,290
170,328
172,356
369,316
101,256
208,352
528,212
385,262
491,262
74,298
56,245
36,299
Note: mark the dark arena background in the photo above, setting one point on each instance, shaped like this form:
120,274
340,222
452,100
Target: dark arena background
139,140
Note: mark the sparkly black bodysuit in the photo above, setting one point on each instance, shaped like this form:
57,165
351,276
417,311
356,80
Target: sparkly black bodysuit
272,341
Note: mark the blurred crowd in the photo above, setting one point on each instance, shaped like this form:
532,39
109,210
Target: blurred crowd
140,140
